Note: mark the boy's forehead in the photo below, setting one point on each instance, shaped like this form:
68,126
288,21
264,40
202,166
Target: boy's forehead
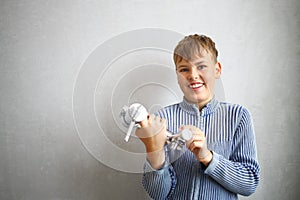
197,57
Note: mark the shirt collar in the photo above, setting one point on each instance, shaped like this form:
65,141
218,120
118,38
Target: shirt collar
193,108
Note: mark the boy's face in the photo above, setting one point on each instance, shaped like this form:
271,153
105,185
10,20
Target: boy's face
196,78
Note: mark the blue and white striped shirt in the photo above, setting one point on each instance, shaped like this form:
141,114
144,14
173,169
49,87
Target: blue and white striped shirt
234,168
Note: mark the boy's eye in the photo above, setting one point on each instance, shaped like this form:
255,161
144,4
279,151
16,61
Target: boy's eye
201,67
183,70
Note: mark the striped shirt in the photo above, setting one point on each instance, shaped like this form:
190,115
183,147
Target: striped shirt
234,168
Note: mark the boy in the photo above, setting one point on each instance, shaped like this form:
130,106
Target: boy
221,160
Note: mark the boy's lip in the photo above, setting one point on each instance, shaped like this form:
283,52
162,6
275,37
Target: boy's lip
196,85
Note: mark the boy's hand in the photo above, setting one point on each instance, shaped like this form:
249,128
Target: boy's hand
198,145
152,133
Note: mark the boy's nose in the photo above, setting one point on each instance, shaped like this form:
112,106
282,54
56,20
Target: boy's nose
194,74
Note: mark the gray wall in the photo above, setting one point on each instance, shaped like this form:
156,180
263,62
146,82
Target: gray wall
49,142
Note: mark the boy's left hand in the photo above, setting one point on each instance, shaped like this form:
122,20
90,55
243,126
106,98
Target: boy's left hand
198,145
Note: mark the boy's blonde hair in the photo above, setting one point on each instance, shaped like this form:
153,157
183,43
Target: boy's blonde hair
191,47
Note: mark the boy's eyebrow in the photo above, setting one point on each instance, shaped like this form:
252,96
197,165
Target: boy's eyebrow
183,65
199,63
195,64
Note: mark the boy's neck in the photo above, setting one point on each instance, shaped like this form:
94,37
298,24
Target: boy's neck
203,103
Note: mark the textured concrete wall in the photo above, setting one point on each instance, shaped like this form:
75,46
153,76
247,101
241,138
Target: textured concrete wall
67,67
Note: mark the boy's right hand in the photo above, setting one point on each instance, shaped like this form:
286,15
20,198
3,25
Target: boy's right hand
152,133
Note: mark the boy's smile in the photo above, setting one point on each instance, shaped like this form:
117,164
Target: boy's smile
196,86
196,78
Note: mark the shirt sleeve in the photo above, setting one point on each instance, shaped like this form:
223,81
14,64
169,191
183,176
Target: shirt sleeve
159,183
239,173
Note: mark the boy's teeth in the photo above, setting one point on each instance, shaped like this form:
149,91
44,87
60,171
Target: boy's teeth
196,85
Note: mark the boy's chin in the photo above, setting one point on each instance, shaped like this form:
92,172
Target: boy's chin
198,99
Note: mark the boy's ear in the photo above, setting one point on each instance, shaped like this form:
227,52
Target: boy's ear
218,71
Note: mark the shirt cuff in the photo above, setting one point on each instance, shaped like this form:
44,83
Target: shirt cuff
149,168
213,163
